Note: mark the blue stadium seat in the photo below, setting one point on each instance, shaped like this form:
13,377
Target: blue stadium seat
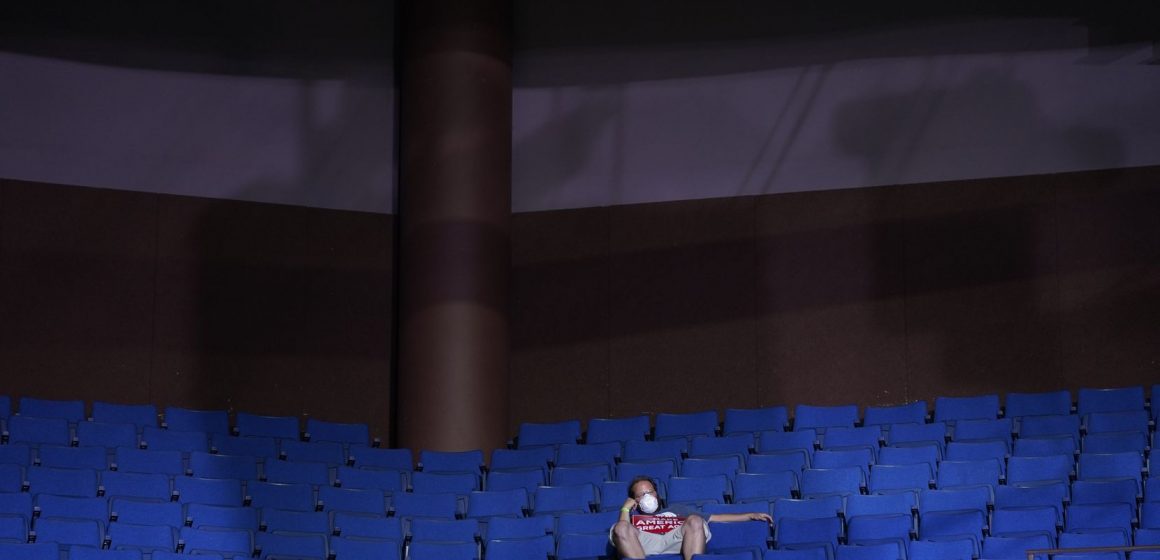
819,418
860,457
1122,491
606,453
39,431
133,460
538,548
1069,539
181,419
408,505
69,532
539,458
256,425
836,481
529,480
13,529
11,478
462,483
918,434
501,503
31,551
999,429
1111,466
142,538
296,497
913,413
728,466
62,482
16,454
737,445
986,450
353,434
1116,517
221,541
1048,403
791,462
809,508
589,474
206,516
106,434
16,504
149,486
685,425
286,521
867,437
870,551
352,500
954,525
803,554
564,499
957,474
158,439
378,479
659,471
753,420
316,474
975,499
1052,495
213,491
1122,421
68,410
237,467
953,409
355,548
532,527
801,441
552,434
257,447
445,530
749,537
764,487
699,490
574,546
899,478
94,458
382,458
928,455
140,415
634,428
941,550
1045,445
452,462
135,511
1116,442
1091,400
49,506
798,533
1038,470
640,451
1022,522
612,494
1043,426
443,551
329,452
89,553
351,524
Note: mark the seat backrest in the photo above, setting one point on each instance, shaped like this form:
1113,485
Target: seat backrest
953,409
503,503
352,524
106,434
824,506
840,480
356,434
1091,400
345,548
669,425
297,497
764,486
533,434
140,415
634,428
1038,404
181,419
69,410
822,417
368,500
754,420
222,492
914,412
281,427
206,516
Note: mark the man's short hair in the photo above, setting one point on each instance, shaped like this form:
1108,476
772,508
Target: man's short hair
640,478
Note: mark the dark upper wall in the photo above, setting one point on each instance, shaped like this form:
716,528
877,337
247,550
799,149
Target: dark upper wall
867,296
134,297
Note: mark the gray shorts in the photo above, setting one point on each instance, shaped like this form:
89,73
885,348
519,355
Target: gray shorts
668,543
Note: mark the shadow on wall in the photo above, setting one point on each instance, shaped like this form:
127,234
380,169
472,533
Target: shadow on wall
567,140
983,280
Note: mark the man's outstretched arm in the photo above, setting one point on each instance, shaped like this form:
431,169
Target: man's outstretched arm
731,517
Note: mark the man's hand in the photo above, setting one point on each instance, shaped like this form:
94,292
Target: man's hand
760,517
629,503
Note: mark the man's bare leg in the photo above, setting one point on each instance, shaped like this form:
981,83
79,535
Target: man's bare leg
693,541
627,542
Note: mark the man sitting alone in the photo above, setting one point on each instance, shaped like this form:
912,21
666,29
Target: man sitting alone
688,539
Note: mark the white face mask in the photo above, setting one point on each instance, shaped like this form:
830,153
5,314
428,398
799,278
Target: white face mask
648,503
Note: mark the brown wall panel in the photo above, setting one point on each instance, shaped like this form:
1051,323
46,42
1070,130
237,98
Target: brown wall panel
1110,277
559,317
982,293
681,306
76,291
832,328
